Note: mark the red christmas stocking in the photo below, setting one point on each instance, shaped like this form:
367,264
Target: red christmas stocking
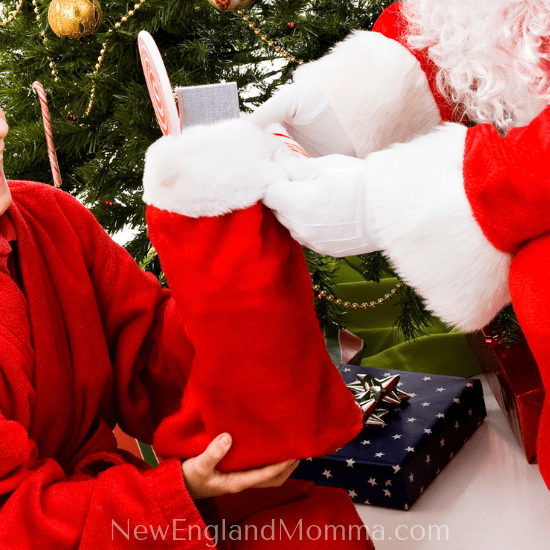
261,370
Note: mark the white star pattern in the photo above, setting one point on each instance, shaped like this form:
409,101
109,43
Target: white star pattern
387,374
385,488
311,459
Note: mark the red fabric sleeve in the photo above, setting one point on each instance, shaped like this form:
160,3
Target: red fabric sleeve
44,509
507,181
143,329
92,340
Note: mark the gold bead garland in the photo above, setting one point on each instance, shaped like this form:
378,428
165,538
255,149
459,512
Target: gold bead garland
123,19
265,39
365,305
12,16
101,56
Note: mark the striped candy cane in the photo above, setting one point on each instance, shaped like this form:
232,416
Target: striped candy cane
292,144
39,89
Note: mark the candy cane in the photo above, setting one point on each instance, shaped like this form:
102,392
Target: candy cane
39,89
158,84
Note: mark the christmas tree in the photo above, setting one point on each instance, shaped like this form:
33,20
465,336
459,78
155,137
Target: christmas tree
101,114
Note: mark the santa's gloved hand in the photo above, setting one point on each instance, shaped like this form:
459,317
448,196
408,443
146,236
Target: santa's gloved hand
325,205
304,110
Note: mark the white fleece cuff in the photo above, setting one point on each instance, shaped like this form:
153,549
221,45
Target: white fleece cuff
212,170
424,222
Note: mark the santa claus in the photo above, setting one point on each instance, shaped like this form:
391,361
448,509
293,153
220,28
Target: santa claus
433,138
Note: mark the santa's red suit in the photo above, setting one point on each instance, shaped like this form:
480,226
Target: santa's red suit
479,232
88,340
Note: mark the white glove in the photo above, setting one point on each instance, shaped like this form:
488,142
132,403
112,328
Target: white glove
306,114
325,205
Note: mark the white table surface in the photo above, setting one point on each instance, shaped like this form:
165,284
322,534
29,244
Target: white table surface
487,498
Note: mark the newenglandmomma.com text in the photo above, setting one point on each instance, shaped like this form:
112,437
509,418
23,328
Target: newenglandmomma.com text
178,530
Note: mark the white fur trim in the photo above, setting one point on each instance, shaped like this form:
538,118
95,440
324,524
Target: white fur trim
212,170
377,89
424,222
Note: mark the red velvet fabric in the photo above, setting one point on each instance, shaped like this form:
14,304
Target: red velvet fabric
529,277
261,370
88,340
393,24
507,182
320,518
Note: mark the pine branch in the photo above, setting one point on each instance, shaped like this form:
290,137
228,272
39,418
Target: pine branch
413,317
375,267
507,327
322,270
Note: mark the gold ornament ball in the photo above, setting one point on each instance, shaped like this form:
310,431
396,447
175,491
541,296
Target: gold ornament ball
74,18
231,5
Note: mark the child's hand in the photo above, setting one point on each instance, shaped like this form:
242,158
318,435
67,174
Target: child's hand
203,480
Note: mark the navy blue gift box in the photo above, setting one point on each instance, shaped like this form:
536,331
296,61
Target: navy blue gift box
393,465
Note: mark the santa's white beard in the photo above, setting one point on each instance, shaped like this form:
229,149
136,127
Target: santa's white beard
490,53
